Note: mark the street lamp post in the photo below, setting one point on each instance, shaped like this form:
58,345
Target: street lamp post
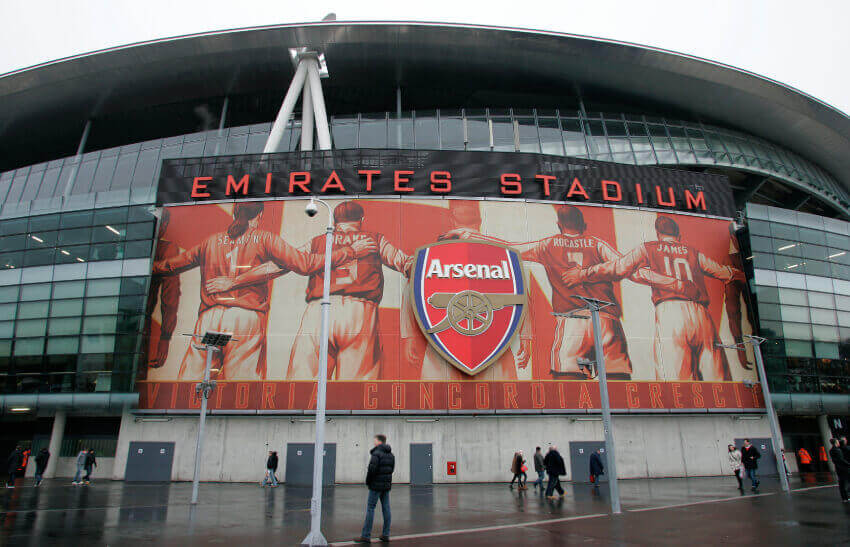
756,342
211,342
594,306
315,536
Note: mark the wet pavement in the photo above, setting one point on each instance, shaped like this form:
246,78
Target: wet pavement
656,512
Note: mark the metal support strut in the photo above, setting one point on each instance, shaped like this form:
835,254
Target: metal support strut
309,68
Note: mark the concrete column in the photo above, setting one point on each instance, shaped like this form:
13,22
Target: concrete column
826,435
55,446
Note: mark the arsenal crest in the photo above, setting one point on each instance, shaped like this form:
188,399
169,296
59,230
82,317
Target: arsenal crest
469,298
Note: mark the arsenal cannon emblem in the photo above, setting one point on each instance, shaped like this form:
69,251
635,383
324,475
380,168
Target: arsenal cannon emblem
469,298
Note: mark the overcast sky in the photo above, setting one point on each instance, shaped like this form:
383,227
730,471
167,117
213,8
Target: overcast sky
804,44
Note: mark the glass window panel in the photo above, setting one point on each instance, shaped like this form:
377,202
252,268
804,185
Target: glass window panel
451,132
550,136
823,317
816,267
141,213
108,233
529,140
133,285
38,257
503,135
137,249
13,226
807,250
12,260
843,318
58,346
785,231
574,142
103,174
794,348
9,293
789,263
825,333
767,294
124,171
824,350
32,310
76,219
39,291
142,230
132,304
838,256
373,131
100,325
14,243
61,308
75,236
69,289
75,254
5,348
839,241
815,237
821,300
7,329
31,327
344,132
759,227
126,343
7,311
426,133
106,251
103,287
795,313
763,261
102,306
762,244
29,346
64,326
786,247
478,132
596,138
41,240
797,330
97,344
769,311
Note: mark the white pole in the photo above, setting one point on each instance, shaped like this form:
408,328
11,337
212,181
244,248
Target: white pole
307,121
771,412
610,458
315,536
279,127
204,392
322,129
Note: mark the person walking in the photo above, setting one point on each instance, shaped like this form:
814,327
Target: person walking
805,460
15,460
735,465
517,466
842,467
81,464
271,469
90,464
597,468
538,467
379,479
41,460
845,449
555,467
750,458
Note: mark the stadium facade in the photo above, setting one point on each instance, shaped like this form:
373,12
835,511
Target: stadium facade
142,201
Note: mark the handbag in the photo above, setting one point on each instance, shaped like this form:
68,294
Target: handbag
592,478
524,468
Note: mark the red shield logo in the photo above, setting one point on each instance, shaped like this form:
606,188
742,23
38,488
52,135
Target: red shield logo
469,298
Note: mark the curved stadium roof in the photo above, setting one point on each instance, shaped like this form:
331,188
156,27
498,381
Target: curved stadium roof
55,98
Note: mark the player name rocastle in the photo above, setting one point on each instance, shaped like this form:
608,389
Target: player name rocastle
471,271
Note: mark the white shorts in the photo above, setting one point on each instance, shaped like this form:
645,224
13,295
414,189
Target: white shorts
240,359
354,350
685,343
574,341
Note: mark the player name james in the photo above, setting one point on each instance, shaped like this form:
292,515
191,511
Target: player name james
471,271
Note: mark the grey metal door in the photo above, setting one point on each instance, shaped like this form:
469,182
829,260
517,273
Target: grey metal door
299,464
421,464
580,452
767,462
149,462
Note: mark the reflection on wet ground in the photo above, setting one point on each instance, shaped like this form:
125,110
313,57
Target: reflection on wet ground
118,513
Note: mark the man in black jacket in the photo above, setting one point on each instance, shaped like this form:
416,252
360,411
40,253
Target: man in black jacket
271,470
555,467
842,467
379,479
750,458
41,464
15,460
596,467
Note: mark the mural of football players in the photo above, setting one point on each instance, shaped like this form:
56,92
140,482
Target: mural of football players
241,311
465,217
574,248
685,335
167,290
732,300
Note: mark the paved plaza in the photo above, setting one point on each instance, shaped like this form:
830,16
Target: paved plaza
656,512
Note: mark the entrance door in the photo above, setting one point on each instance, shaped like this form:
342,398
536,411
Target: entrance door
580,452
421,464
299,464
767,462
149,462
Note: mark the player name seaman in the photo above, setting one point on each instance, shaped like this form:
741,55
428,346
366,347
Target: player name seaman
471,271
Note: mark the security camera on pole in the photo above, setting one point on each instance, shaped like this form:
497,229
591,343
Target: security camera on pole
594,306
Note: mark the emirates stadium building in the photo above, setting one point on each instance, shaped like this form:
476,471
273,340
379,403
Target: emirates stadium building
485,184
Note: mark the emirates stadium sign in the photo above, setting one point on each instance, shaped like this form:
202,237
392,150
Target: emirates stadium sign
469,299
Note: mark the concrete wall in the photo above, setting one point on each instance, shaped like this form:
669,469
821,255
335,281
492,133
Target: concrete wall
235,447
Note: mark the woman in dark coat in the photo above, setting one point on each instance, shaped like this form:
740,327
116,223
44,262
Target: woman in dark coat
517,465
